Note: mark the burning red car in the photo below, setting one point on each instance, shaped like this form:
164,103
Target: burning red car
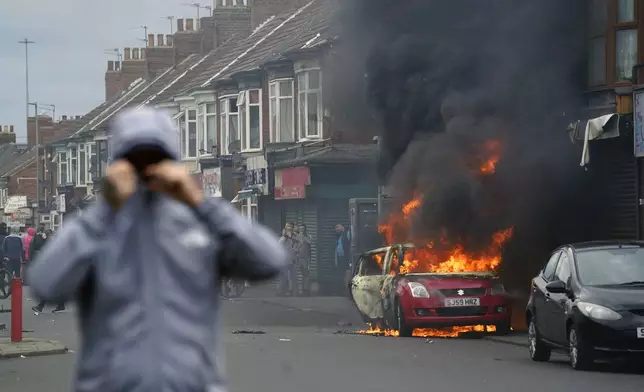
391,295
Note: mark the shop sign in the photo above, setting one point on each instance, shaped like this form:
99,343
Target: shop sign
22,214
211,181
255,177
291,183
290,192
14,203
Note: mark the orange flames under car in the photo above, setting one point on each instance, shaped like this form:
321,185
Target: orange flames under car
447,257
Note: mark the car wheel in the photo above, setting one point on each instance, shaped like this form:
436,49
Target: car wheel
503,328
581,355
403,329
539,351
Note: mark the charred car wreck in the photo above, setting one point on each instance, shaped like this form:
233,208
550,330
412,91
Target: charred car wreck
389,295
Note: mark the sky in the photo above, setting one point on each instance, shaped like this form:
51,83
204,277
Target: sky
67,63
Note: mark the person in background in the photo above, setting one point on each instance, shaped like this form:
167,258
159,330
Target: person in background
289,241
31,232
3,234
342,259
40,240
13,249
304,258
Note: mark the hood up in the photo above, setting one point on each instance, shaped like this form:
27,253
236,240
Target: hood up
31,232
136,128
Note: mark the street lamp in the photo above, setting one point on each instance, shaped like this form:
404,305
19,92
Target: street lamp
38,106
26,42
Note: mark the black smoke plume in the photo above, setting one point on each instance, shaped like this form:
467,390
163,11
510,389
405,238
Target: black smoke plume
445,79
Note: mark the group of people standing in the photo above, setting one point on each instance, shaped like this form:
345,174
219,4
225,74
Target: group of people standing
298,242
16,251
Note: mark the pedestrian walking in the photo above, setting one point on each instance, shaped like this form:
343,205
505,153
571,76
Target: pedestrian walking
38,242
13,250
27,241
304,241
289,241
144,265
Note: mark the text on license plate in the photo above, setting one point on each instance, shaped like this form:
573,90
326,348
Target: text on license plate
455,302
640,333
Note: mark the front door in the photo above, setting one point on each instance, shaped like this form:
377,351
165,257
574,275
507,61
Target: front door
366,286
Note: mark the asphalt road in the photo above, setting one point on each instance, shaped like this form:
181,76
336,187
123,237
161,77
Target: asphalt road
301,351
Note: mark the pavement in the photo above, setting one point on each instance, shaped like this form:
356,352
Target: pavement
301,347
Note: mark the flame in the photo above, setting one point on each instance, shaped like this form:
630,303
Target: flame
452,332
492,150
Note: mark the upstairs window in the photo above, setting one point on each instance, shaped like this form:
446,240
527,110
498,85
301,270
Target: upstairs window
281,111
228,123
309,84
250,119
597,18
62,168
208,141
73,165
626,27
189,135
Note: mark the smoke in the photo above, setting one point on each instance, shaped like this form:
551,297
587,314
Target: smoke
445,79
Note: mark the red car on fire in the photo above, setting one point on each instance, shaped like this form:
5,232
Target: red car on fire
405,301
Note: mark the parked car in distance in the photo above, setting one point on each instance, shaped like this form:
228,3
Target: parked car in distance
589,300
404,302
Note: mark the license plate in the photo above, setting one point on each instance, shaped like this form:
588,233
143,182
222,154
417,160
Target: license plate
457,302
640,333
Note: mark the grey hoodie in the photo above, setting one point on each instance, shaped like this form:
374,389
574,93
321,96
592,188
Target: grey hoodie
146,278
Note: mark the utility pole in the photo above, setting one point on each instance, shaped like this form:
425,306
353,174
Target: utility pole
116,52
145,35
171,20
196,6
37,118
26,42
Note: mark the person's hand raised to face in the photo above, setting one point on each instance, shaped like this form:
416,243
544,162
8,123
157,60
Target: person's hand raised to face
120,183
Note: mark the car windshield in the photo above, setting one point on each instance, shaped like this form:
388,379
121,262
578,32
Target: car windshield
606,267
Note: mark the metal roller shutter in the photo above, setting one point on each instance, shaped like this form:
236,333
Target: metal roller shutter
331,213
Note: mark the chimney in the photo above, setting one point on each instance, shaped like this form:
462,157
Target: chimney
169,40
10,128
160,40
142,53
78,117
64,117
117,66
190,24
135,53
110,66
261,10
179,25
151,41
126,54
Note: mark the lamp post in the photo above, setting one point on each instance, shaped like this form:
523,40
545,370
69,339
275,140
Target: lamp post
26,42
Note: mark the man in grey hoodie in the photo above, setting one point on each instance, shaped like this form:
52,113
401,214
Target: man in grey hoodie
148,298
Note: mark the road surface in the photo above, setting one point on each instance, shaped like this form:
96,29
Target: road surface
301,351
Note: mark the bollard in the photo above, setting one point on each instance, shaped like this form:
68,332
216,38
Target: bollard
16,309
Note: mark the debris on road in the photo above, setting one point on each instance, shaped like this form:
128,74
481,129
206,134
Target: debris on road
248,332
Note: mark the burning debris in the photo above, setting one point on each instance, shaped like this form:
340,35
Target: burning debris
469,96
452,332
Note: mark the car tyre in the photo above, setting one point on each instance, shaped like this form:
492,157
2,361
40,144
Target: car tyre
404,330
539,351
503,329
581,354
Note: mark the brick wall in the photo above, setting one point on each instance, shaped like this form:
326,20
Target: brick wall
131,70
231,22
49,131
112,80
158,59
23,182
264,9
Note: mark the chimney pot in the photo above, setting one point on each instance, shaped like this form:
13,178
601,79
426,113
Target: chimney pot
169,40
190,24
179,24
64,117
117,65
110,65
78,117
142,53
150,40
10,128
135,53
126,54
160,40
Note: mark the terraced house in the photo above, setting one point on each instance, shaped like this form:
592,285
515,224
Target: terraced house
249,89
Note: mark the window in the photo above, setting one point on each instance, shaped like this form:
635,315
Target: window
91,161
250,119
618,266
102,157
229,123
281,111
73,165
62,168
310,104
563,268
597,18
82,165
208,142
625,39
188,134
201,128
549,269
369,265
249,208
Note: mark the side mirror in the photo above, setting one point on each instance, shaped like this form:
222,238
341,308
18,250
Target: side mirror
557,287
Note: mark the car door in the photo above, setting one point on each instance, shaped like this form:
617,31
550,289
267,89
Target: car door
540,295
366,285
556,306
391,270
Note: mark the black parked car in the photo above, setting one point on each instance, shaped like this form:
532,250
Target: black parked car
589,301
